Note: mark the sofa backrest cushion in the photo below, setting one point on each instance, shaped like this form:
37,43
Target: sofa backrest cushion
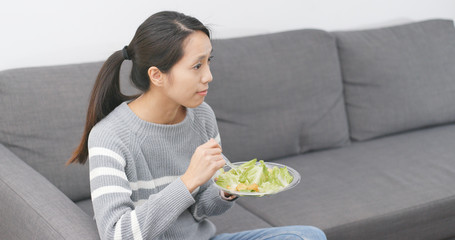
43,113
278,94
398,78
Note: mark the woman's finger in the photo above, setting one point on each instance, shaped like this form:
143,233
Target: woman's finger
212,143
213,151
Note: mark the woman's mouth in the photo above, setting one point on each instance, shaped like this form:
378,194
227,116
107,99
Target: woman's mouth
202,93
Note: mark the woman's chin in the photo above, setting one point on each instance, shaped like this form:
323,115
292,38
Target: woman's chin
194,104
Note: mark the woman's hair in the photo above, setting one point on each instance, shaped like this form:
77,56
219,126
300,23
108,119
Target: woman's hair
158,42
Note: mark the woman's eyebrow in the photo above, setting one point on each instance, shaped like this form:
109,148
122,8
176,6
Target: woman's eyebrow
203,56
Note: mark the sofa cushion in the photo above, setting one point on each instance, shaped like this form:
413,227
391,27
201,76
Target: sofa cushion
42,119
278,94
395,187
87,206
237,219
32,208
398,78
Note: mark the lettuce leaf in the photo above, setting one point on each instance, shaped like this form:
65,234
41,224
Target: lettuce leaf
281,176
257,174
250,173
227,180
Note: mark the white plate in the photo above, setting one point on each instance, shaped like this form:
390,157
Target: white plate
293,172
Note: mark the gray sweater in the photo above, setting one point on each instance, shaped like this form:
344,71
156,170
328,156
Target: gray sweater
135,169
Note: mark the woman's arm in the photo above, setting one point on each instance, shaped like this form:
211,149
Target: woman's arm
211,202
115,214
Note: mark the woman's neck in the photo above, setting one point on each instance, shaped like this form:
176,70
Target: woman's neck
153,108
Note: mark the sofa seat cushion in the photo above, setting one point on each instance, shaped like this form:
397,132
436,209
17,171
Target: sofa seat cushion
237,219
277,95
396,187
86,206
398,78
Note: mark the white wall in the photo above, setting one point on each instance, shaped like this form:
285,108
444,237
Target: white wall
48,32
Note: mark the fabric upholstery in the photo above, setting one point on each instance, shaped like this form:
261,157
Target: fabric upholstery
32,206
86,206
398,78
396,187
277,95
237,219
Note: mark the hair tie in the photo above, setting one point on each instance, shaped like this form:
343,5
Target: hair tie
125,53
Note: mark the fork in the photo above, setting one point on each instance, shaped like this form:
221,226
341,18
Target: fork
229,164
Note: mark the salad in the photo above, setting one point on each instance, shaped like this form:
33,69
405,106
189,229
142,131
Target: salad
252,177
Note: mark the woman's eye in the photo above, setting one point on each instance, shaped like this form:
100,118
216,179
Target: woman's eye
199,65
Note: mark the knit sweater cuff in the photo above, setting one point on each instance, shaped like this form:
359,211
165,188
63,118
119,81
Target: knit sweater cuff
215,202
178,190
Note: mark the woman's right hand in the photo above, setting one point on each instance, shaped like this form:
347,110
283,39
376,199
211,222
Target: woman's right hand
206,160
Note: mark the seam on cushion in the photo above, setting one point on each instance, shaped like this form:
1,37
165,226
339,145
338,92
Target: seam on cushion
343,89
329,110
28,204
393,213
339,98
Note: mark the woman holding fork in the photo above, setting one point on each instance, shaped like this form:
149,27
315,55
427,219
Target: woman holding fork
150,161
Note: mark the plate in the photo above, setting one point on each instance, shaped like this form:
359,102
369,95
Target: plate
293,172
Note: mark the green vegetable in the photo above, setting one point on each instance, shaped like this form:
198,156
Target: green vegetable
252,177
227,180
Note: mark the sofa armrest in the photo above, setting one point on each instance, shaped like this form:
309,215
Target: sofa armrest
33,208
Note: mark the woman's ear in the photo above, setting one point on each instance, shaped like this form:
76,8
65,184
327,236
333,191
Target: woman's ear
156,76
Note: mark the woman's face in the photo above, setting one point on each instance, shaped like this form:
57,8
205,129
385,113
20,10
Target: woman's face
188,80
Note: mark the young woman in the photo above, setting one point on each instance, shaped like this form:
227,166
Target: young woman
152,156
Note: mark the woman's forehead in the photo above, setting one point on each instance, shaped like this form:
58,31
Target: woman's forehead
197,46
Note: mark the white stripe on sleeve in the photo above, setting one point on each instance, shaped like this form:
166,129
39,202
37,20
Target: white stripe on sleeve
152,183
109,189
100,151
135,228
118,230
142,201
107,171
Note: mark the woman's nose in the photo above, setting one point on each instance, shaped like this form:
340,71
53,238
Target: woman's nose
207,76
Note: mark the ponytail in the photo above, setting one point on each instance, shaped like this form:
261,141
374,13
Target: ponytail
104,98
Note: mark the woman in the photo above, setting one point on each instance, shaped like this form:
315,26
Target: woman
152,156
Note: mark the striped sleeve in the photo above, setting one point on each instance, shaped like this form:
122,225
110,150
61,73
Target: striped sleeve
115,214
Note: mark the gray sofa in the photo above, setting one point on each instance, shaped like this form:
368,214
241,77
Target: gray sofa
367,118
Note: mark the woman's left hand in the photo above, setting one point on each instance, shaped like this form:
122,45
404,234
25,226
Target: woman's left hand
227,196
